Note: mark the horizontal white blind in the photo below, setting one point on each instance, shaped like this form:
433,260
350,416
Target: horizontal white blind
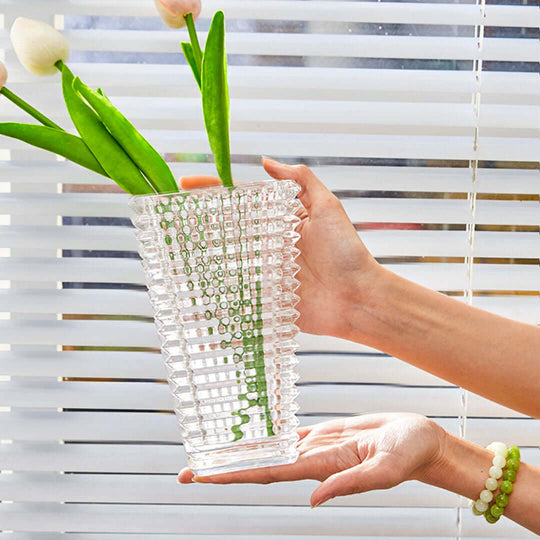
414,113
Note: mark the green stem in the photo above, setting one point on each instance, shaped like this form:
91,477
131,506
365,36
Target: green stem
14,98
197,52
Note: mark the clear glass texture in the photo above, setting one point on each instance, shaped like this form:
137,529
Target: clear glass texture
220,270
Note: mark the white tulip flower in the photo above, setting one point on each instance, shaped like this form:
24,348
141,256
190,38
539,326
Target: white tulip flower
173,11
38,45
3,75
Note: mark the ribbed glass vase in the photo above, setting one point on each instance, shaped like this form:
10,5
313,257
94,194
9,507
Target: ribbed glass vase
219,265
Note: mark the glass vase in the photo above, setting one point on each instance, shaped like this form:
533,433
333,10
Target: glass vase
219,265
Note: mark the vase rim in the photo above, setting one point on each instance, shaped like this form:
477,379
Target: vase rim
212,189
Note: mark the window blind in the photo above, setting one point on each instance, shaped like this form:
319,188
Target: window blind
423,117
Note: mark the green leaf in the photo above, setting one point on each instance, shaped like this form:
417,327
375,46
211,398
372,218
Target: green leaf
54,140
187,49
102,93
141,152
215,97
101,143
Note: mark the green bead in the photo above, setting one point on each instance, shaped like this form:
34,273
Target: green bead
514,453
496,510
512,464
501,500
490,518
506,487
510,475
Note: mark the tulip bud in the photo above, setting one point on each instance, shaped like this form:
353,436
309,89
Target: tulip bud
172,11
3,75
38,45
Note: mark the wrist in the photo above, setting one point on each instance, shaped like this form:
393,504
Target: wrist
366,301
461,467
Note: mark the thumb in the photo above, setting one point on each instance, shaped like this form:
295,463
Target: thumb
312,189
369,475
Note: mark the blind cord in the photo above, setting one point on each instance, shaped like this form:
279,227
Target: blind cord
471,226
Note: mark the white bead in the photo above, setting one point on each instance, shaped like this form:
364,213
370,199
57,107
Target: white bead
498,448
499,461
495,472
481,506
475,511
486,495
491,484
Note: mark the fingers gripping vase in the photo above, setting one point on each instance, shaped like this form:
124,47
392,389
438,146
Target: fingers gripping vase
219,265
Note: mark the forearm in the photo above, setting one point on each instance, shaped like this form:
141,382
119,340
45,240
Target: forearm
463,469
487,354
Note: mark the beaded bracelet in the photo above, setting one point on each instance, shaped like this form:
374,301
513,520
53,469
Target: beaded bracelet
496,510
481,506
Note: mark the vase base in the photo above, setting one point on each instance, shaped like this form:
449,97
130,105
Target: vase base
251,455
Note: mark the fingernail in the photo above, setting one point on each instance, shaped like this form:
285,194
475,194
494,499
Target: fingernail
319,503
272,160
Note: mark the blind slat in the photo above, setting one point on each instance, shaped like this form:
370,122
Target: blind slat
448,277
362,368
473,529
383,243
337,178
441,277
271,115
148,489
313,399
119,458
77,269
324,45
317,83
245,520
360,210
343,145
445,277
135,303
101,536
43,425
324,11
438,276
106,302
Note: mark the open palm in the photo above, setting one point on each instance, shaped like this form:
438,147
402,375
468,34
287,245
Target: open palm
351,455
